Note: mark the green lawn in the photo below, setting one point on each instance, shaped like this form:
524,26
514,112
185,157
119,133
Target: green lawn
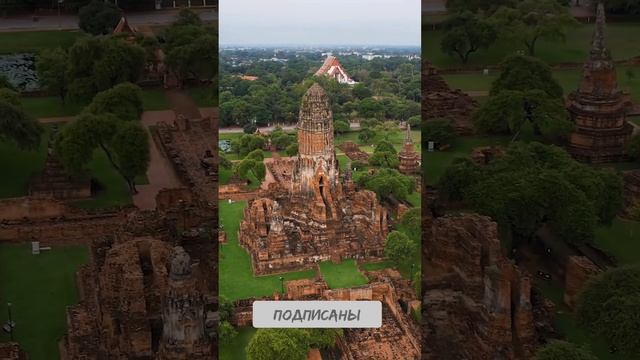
21,166
236,279
621,40
203,96
394,137
343,275
40,287
36,41
569,79
114,192
436,162
235,350
50,106
621,239
154,99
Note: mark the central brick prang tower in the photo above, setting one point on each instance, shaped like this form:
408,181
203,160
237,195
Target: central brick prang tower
316,169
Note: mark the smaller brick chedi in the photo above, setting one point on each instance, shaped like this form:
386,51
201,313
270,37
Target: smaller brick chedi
409,158
316,214
598,107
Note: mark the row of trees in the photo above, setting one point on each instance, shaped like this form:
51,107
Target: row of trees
475,25
392,93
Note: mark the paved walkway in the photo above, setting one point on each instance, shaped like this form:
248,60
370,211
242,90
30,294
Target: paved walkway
70,22
160,172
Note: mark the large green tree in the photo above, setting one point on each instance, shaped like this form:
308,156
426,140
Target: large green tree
532,20
15,124
99,17
387,183
284,344
399,248
466,33
524,73
191,48
52,71
99,63
608,308
105,126
535,185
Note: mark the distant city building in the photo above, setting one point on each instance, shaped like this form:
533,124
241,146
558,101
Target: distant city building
333,69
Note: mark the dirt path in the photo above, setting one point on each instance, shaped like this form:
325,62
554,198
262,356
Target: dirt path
160,172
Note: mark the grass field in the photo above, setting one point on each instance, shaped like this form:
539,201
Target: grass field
437,162
343,275
39,288
236,279
569,79
36,41
52,106
235,350
621,40
621,239
21,166
203,96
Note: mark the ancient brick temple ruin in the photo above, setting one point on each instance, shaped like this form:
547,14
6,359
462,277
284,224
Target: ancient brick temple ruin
598,107
477,304
439,101
409,158
397,338
315,214
148,291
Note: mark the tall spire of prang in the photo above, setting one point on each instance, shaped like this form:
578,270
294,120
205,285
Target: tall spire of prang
598,48
407,135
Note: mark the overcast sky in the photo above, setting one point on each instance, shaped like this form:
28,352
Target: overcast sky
320,22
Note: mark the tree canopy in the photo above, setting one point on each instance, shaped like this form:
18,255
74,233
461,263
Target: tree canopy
534,185
99,17
15,124
387,183
466,33
608,308
399,248
289,344
524,73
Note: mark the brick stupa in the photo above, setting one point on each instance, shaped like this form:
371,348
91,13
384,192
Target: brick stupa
598,107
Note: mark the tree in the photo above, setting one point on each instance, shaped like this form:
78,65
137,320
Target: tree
534,185
52,70
366,134
370,108
399,248
99,17
292,149
361,91
341,127
532,20
248,143
99,63
384,155
524,113
466,33
109,123
191,48
225,308
130,145
285,344
607,308
524,73
15,124
249,128
247,167
123,100
387,183
410,224
226,332
323,338
440,131
415,121
562,350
